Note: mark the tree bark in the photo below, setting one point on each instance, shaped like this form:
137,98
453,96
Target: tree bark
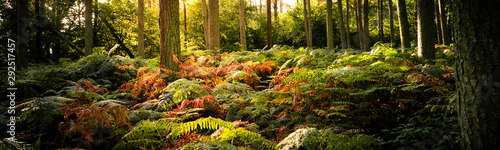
170,42
185,24
426,29
276,19
359,24
403,25
88,27
444,25
281,6
206,30
140,28
366,24
477,74
243,40
269,24
38,36
329,25
347,20
214,24
391,22
341,26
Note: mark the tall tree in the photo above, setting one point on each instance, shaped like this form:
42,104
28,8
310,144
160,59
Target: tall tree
403,25
426,29
243,40
88,27
366,37
380,19
347,16
329,25
38,35
437,23
170,42
213,24
306,27
444,24
205,23
269,24
140,28
341,25
359,24
22,34
276,19
185,23
309,24
281,6
477,73
391,22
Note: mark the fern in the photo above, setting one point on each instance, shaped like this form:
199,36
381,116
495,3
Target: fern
238,135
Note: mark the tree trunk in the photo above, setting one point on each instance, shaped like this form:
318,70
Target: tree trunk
22,35
329,25
88,27
117,38
403,25
185,24
366,24
437,22
426,31
477,73
309,26
341,25
281,6
359,24
276,19
347,20
214,24
38,36
170,42
381,20
140,28
96,14
243,40
391,22
306,29
206,30
269,25
444,25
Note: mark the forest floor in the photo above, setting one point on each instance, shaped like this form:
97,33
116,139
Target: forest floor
282,98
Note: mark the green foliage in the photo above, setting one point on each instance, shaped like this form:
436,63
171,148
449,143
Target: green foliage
241,137
312,138
185,89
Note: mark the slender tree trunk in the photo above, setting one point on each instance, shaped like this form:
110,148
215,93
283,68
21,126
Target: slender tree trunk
444,25
281,6
347,20
206,30
22,34
306,29
214,24
38,36
88,27
269,25
260,6
243,40
96,16
426,29
341,25
366,24
437,23
309,23
329,25
140,28
391,22
169,33
477,73
360,25
185,25
381,20
276,19
403,25
117,38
